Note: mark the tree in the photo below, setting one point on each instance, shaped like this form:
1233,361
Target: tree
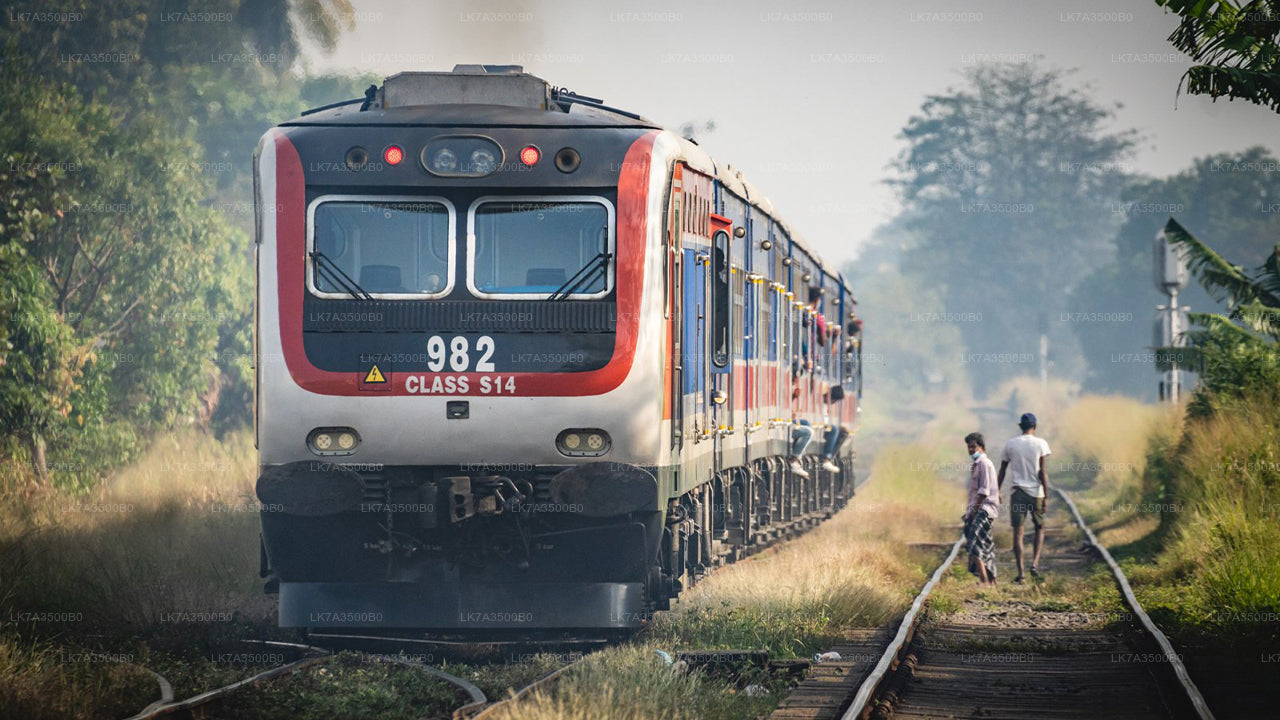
1236,46
114,270
1008,185
1234,196
1234,353
126,300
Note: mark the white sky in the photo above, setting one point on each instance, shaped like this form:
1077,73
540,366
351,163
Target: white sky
808,98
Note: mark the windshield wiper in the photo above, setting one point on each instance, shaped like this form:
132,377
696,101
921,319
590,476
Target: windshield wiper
329,270
588,272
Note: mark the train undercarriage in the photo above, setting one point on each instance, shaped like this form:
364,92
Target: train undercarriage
516,548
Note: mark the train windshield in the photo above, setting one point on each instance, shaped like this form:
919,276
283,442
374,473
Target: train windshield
526,248
399,248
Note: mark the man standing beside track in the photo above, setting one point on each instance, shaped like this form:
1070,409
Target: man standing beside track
984,506
1024,457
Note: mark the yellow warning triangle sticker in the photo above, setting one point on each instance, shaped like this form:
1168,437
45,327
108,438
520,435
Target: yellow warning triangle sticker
374,376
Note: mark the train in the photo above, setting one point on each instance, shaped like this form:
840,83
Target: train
526,362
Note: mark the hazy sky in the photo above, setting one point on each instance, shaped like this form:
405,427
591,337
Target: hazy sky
808,98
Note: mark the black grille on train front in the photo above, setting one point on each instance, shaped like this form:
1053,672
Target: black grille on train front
571,316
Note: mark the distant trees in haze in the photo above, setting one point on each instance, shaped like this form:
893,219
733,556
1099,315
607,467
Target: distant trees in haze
1008,183
1233,198
1024,212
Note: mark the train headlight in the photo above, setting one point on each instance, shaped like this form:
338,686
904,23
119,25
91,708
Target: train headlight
333,441
483,161
461,156
444,161
583,442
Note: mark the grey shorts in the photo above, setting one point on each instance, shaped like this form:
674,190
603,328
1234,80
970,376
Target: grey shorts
1022,504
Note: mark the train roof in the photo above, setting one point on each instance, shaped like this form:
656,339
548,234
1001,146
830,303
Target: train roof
506,96
732,179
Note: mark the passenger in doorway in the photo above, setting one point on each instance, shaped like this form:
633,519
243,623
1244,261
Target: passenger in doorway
983,508
1023,457
801,431
835,434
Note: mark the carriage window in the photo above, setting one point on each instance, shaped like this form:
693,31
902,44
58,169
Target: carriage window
400,248
542,248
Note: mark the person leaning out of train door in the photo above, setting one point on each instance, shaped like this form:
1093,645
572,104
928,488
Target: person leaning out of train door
1023,457
983,508
801,430
835,434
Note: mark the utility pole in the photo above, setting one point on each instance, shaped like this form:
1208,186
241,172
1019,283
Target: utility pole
1044,351
1170,266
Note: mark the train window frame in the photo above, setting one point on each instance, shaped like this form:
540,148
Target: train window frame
720,326
452,233
610,271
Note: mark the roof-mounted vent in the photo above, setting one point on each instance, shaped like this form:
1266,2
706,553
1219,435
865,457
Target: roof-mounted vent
468,85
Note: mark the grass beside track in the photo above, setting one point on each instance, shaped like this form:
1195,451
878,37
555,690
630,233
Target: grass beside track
1195,525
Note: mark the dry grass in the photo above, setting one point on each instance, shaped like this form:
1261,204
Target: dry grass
120,571
175,532
1101,457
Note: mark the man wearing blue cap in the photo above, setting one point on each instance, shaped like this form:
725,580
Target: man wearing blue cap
1023,457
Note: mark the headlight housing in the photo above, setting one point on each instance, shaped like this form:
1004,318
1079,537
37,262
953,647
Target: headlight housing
330,441
583,442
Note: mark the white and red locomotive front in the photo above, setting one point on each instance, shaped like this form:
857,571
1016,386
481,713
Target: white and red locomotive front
465,359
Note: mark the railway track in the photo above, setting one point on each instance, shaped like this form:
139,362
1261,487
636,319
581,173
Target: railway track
1044,665
311,655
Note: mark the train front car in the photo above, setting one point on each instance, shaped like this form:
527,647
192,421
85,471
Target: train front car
457,356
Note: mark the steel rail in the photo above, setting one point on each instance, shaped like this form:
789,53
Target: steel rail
166,691
1197,700
520,694
205,697
899,641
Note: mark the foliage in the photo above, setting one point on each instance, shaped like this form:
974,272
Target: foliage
114,296
1007,183
126,129
1236,46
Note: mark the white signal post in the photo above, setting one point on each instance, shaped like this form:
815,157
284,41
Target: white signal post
1170,266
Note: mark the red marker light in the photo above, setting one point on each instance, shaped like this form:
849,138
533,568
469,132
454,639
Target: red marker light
530,155
394,154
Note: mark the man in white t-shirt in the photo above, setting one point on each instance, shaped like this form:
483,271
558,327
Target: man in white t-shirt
1023,458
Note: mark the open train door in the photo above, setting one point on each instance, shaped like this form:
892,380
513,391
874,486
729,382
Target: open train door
720,331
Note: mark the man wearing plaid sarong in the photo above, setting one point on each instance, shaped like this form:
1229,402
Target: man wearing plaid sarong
984,506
